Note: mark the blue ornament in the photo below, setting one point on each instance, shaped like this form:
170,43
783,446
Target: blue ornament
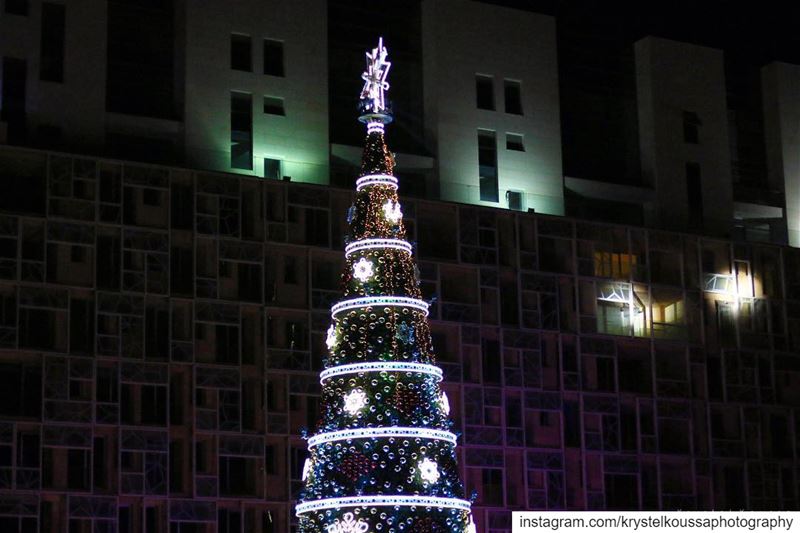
405,333
351,214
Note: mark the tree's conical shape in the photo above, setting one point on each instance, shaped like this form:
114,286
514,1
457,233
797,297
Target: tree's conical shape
383,458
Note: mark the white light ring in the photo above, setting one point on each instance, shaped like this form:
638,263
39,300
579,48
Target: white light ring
376,179
375,127
384,432
388,366
379,301
382,501
376,244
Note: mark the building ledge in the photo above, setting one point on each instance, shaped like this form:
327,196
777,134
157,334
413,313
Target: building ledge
614,192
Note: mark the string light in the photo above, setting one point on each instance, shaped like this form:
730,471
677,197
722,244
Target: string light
306,469
357,368
376,179
471,526
380,301
377,244
381,432
375,127
382,501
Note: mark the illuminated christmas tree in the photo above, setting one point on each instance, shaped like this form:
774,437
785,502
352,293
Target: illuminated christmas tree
383,459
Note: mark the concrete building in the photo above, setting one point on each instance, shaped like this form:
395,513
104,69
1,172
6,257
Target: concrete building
491,110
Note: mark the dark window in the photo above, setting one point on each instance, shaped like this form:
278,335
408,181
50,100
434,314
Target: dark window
241,52
151,197
514,142
241,131
484,90
78,469
290,270
141,59
273,105
154,399
236,476
515,200
17,7
51,66
273,58
694,193
272,168
487,166
12,97
77,254
492,492
513,94
490,352
691,127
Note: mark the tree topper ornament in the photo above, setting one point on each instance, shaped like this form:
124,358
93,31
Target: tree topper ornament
374,77
362,270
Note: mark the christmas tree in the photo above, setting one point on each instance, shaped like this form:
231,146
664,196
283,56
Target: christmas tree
383,459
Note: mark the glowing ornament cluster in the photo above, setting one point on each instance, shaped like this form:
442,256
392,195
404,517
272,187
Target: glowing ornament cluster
354,402
445,403
330,340
348,524
392,211
429,470
363,270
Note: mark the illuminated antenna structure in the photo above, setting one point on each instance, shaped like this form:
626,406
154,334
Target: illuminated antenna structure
383,457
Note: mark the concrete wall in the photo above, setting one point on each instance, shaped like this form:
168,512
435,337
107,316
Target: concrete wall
781,92
77,105
671,78
506,44
299,139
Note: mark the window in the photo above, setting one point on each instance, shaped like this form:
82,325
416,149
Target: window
17,7
487,166
272,168
273,105
516,200
691,127
51,66
694,194
241,52
241,131
484,89
514,142
77,254
513,97
151,197
273,58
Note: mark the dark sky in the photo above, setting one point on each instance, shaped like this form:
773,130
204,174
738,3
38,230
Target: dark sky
763,31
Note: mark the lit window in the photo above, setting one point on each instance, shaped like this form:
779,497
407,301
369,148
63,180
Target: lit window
513,97
273,105
484,89
514,142
273,58
241,52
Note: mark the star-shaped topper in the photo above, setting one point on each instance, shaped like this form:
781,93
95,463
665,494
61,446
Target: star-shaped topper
375,77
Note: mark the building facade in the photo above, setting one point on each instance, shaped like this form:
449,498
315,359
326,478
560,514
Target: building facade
163,330
162,326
